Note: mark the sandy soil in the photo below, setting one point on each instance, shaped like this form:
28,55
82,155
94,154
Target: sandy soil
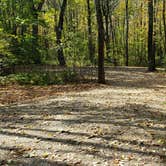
121,123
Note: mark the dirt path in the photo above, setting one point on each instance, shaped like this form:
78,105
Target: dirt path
122,123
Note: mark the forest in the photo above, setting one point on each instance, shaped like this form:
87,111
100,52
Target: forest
66,33
82,82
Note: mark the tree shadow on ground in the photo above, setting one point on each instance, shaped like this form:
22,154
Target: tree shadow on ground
134,127
138,78
32,162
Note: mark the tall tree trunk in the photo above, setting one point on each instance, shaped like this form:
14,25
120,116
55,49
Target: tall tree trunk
90,40
35,12
107,36
59,29
154,27
35,29
164,23
112,32
127,33
106,13
99,16
151,55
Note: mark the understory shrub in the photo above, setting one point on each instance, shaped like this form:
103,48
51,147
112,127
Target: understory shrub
40,78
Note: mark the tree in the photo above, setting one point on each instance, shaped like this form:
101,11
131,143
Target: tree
108,7
99,16
36,8
106,10
151,55
65,32
59,29
127,33
90,39
164,22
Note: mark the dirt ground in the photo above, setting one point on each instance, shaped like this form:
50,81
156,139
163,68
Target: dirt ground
122,123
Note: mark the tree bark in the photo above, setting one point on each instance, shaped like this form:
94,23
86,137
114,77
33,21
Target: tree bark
59,29
90,40
106,13
151,55
99,16
107,36
127,33
164,23
36,10
35,29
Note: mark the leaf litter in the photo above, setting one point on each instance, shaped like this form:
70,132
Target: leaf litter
121,123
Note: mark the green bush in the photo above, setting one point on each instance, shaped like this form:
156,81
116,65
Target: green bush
40,78
69,76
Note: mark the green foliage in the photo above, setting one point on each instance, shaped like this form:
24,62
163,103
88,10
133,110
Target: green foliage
40,78
17,22
69,76
20,45
75,48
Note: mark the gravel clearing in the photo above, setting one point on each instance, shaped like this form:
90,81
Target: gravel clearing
122,123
